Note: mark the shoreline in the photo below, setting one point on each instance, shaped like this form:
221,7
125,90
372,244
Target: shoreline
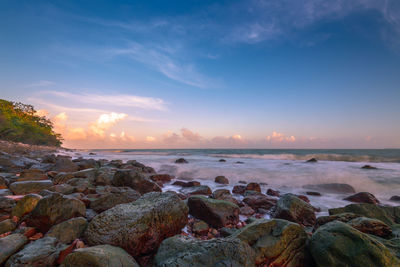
77,205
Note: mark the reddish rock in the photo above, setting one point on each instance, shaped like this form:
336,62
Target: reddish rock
312,193
32,175
186,184
253,187
363,197
163,178
259,202
221,180
239,189
304,198
273,193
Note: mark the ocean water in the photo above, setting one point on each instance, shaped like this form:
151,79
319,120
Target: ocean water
281,169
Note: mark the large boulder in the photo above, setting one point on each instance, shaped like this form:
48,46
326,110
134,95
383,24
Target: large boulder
140,226
259,201
32,175
387,214
54,209
69,230
65,164
342,217
334,188
363,197
7,226
113,197
197,190
338,244
25,205
27,187
100,256
217,213
290,207
11,244
135,180
42,252
182,251
276,242
371,226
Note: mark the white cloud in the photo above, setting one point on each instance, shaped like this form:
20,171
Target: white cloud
276,137
42,83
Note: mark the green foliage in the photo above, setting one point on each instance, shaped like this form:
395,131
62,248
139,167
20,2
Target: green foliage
20,123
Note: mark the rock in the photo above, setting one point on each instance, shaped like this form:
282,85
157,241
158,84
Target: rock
239,189
69,230
186,184
222,160
135,180
25,205
363,197
197,190
64,189
368,167
259,202
32,175
140,226
54,209
3,183
200,228
7,226
276,242
371,226
342,217
50,158
27,187
272,192
220,193
11,244
100,256
117,195
334,188
63,177
65,164
387,214
80,185
164,178
312,160
395,198
6,204
182,251
181,160
290,207
254,187
221,180
246,210
42,252
90,214
338,244
217,213
312,193
239,162
5,192
225,232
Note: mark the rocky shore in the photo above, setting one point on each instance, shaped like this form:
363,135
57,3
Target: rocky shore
59,211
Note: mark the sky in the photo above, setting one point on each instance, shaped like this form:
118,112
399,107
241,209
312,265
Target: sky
207,74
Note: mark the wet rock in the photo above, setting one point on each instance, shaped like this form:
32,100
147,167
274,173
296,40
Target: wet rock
335,188
304,198
7,226
80,185
276,242
259,201
222,160
395,198
371,226
86,164
135,180
104,177
65,164
42,252
220,193
312,160
246,210
312,193
100,256
140,226
239,162
186,184
239,189
54,209
341,217
5,192
10,245
253,187
197,190
221,180
272,192
387,214
69,230
32,175
181,160
363,197
27,187
63,177
64,189
6,204
115,196
163,178
182,251
50,158
25,205
338,244
3,183
368,167
290,207
200,228
217,213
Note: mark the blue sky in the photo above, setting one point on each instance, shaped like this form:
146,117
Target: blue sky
183,74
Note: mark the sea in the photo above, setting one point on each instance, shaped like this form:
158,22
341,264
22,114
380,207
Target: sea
285,170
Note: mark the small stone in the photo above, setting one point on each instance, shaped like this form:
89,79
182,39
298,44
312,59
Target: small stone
181,160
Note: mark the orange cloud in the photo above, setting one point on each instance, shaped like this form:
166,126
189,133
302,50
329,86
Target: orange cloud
276,137
190,136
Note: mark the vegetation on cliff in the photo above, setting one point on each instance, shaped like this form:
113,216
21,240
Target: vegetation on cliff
20,123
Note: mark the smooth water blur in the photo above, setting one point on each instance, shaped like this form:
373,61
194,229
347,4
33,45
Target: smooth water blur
284,170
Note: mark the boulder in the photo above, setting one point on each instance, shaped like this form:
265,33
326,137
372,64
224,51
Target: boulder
220,193
363,197
42,252
395,198
5,192
197,190
3,183
290,207
163,178
27,187
246,210
371,226
342,217
54,209
276,242
313,193
272,192
186,184
259,201
222,160
6,204
100,256
32,175
65,164
217,213
253,187
239,189
200,228
338,244
25,205
181,160
69,230
334,188
368,167
140,226
221,180
11,244
64,189
7,226
81,185
135,180
63,177
115,196
182,251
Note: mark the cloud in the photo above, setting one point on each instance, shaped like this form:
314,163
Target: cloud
42,83
190,136
150,139
171,137
105,122
276,137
